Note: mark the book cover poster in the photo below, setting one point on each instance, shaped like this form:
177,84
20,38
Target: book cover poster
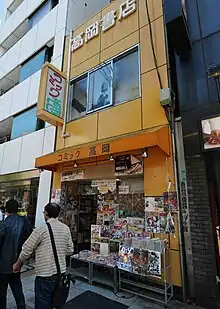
125,256
170,201
154,203
154,264
135,227
140,262
95,232
152,223
105,231
95,247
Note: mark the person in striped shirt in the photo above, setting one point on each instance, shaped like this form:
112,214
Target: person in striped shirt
45,267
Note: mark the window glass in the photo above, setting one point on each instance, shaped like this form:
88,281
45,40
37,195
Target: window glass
78,99
100,88
39,14
126,78
32,65
25,123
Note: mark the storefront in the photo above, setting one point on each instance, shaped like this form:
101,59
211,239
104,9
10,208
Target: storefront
23,187
113,164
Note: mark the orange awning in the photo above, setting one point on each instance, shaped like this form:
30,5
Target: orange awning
156,137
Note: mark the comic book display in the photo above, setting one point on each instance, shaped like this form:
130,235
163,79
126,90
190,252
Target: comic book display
125,257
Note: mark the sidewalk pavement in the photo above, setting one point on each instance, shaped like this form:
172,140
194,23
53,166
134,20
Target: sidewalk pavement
80,287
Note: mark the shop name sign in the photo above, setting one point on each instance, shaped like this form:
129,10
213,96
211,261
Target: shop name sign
108,21
55,93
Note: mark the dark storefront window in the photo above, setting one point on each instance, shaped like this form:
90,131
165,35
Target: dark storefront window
116,82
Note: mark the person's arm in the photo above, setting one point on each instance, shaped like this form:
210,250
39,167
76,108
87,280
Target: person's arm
28,248
2,232
70,247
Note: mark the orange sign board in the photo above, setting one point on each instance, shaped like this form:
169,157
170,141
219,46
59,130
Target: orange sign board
159,138
51,97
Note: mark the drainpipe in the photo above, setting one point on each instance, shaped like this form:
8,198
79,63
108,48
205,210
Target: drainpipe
175,164
64,134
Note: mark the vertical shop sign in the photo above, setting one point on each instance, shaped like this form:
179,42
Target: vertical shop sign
55,92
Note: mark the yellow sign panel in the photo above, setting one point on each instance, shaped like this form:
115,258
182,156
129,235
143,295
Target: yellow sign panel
51,97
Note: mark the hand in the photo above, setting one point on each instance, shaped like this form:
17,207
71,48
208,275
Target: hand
16,268
216,133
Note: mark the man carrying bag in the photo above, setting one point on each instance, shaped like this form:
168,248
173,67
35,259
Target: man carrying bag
51,244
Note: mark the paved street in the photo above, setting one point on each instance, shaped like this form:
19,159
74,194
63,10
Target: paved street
80,287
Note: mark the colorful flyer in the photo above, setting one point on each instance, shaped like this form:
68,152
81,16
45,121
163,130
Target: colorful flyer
170,201
125,256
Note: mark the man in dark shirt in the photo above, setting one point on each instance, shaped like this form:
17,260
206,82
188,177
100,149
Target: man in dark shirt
13,233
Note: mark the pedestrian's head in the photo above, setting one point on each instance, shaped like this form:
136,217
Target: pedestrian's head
12,207
51,210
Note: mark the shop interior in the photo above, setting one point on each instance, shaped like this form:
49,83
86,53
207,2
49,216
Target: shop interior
24,192
117,230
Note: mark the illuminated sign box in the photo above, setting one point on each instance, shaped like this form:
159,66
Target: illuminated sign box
51,97
210,131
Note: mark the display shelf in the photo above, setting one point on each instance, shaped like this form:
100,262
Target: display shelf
161,292
81,270
99,276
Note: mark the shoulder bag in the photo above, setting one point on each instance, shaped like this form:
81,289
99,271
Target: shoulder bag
61,291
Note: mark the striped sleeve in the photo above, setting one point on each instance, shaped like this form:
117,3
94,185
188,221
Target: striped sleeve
30,245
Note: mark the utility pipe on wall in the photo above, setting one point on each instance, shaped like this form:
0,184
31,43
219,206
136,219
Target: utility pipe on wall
64,134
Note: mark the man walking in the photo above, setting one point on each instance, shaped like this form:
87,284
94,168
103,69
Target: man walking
14,230
45,266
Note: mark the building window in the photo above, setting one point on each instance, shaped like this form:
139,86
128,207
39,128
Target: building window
25,123
100,88
78,99
40,13
32,65
113,83
126,78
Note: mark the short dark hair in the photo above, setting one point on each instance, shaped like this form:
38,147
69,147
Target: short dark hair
12,206
53,210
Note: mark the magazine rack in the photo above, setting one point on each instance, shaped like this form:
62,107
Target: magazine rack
147,286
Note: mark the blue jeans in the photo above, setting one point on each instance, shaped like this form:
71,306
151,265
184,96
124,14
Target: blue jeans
14,281
44,288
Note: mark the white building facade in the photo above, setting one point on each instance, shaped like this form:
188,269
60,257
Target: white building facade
32,32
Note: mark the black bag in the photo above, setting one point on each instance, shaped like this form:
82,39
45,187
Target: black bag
61,292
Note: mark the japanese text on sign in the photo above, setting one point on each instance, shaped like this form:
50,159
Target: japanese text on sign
108,21
55,93
68,156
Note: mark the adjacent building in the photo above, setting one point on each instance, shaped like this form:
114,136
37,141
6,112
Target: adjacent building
32,32
193,34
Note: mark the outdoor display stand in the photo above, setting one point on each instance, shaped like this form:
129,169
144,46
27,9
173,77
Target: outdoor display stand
96,270
148,286
117,232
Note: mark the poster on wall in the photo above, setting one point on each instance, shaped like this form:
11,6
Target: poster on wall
128,165
72,176
154,203
170,201
56,196
210,133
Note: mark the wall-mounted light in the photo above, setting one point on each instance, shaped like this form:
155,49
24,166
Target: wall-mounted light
111,158
214,72
75,164
145,153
